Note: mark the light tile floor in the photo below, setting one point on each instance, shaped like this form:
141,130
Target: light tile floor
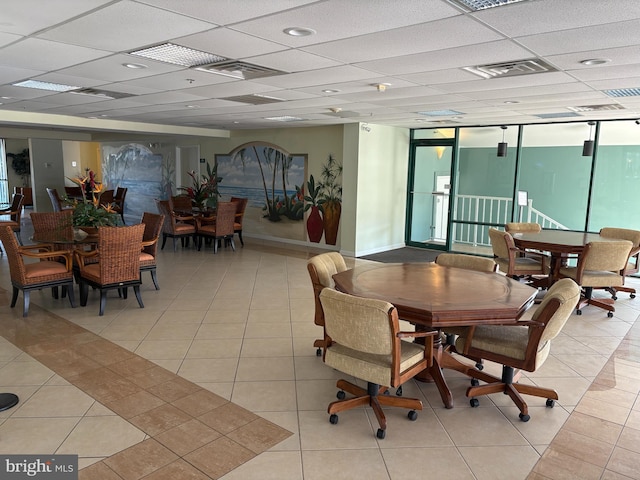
239,324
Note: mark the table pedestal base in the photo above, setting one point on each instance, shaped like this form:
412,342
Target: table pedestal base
8,400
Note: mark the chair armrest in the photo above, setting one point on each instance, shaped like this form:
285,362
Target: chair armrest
432,333
30,251
83,255
148,243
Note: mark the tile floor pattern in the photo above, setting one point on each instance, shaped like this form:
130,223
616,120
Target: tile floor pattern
219,367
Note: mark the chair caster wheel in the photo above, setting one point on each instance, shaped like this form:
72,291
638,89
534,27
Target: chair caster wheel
412,415
609,314
319,352
614,297
333,419
479,366
399,391
341,395
632,295
474,402
550,402
381,433
475,382
578,312
524,418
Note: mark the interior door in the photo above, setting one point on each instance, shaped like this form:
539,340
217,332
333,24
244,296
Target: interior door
429,183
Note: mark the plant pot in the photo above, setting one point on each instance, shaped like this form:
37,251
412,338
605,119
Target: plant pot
314,225
332,211
91,231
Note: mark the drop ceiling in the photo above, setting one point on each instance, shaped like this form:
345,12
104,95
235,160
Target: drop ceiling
423,53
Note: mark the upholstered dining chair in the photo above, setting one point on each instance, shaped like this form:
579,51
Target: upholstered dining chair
219,231
48,272
321,269
152,228
601,265
524,346
522,227
117,266
175,226
512,261
241,206
633,263
118,202
13,214
367,344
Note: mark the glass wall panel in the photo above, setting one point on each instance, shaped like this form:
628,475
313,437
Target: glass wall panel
555,175
484,185
614,200
434,133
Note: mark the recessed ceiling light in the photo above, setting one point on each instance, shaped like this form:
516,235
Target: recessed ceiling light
53,87
328,90
510,102
134,65
440,113
299,31
594,61
178,55
284,118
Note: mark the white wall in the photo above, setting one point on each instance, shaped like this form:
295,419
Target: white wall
47,170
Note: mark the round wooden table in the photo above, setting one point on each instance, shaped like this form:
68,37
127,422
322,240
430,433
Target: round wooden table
432,296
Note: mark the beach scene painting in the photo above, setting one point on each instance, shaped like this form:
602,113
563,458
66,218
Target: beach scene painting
272,180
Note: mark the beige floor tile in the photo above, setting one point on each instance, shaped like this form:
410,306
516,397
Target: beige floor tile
115,435
268,315
425,431
172,332
269,466
603,410
507,462
209,370
55,401
593,427
24,373
275,347
222,348
582,447
437,462
214,331
268,368
163,349
315,394
265,396
268,330
353,430
543,425
352,463
625,462
288,421
630,439
33,435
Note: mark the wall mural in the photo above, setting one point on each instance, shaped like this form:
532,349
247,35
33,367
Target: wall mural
272,180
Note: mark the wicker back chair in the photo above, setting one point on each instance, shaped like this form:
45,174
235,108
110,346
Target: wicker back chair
241,206
222,229
48,272
118,202
152,228
53,226
175,226
14,213
118,265
56,201
182,205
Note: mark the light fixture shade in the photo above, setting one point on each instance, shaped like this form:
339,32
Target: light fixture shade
587,148
502,149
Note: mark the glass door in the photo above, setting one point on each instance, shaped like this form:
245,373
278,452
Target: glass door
429,194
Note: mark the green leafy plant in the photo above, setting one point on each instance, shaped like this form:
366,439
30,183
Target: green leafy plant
204,189
313,194
89,211
21,165
331,182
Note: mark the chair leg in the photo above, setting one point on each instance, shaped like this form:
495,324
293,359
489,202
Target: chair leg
136,291
240,237
84,293
71,294
25,295
154,278
233,245
103,301
164,240
14,297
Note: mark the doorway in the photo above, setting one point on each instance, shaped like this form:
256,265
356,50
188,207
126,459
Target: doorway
429,195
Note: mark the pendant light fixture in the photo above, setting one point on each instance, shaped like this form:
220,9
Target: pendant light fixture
502,146
587,148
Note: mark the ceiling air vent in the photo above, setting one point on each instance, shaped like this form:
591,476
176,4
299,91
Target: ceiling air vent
596,108
254,99
239,69
101,93
511,69
623,92
475,5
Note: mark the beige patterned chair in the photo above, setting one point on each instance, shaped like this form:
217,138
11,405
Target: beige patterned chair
600,265
524,346
512,261
321,269
366,344
633,263
522,227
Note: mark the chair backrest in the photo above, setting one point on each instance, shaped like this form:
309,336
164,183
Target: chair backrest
468,262
106,197
363,324
609,256
56,203
57,225
564,293
182,203
522,227
626,234
321,270
16,265
75,192
120,195
153,223
500,243
225,215
16,207
119,249
169,220
241,206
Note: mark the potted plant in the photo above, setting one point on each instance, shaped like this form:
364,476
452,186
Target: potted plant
21,165
331,198
204,190
314,221
89,213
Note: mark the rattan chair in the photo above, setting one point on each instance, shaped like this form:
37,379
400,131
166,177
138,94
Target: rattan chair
321,270
45,273
221,230
118,202
14,215
175,226
152,228
118,265
241,206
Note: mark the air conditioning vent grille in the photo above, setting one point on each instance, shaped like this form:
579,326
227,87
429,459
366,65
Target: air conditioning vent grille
101,93
511,69
596,108
254,99
239,69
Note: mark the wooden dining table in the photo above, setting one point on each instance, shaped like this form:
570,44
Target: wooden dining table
431,296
